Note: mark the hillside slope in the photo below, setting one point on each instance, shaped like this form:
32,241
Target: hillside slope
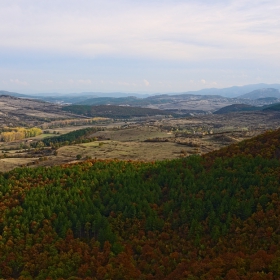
274,107
265,145
24,112
236,108
15,94
215,217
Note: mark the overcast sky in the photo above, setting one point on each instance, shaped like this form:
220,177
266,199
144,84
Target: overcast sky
137,46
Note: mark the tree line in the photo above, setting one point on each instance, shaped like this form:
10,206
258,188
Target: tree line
73,137
9,134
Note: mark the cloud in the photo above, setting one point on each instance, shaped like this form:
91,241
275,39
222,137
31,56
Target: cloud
169,30
120,42
203,81
146,83
47,82
85,82
123,84
18,82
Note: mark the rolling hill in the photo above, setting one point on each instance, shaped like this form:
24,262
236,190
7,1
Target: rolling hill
261,93
15,94
236,108
274,107
248,108
16,111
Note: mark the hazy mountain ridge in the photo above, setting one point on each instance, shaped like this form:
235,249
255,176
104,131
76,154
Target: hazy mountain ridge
234,91
206,100
261,93
231,92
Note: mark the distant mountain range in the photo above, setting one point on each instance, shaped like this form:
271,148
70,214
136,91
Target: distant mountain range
206,100
234,91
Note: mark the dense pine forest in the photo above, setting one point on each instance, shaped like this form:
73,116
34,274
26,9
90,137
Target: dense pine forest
73,137
113,111
210,217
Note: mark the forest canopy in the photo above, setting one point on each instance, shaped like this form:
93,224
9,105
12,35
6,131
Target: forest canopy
113,111
211,217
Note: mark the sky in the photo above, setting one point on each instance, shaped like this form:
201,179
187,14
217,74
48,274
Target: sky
154,46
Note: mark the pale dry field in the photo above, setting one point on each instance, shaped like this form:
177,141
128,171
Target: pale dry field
170,139
133,133
143,151
7,164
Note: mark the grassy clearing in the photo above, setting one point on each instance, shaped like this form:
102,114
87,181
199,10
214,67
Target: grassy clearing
7,164
45,135
67,129
125,150
133,134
